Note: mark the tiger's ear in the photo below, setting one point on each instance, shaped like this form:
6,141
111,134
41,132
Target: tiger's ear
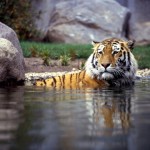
95,43
131,44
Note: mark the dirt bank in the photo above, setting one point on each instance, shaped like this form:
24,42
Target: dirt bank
36,65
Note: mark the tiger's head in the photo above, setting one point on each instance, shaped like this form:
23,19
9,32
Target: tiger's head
112,60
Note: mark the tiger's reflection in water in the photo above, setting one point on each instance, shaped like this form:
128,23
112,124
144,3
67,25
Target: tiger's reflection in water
111,111
105,111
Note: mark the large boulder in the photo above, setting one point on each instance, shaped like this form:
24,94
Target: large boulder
42,11
140,21
140,32
11,66
9,34
83,21
15,66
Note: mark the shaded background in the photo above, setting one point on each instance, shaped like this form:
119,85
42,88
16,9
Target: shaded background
78,21
93,20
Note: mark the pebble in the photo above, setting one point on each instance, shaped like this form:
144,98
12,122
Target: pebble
35,76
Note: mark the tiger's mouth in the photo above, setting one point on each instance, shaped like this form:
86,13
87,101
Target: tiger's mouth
107,75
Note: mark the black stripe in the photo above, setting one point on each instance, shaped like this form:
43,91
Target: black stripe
70,81
93,66
93,61
124,53
70,78
76,77
79,75
63,77
54,80
44,82
93,58
129,59
60,79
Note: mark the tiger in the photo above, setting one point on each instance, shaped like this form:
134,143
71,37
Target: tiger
111,64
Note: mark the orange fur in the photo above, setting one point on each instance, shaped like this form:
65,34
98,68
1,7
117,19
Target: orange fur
72,81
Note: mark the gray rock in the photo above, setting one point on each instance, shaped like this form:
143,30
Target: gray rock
141,33
140,21
11,67
42,11
9,34
123,2
83,21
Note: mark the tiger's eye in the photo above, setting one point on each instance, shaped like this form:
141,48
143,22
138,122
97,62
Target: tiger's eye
100,52
115,52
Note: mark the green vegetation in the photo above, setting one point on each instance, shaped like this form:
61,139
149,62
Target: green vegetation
31,49
46,58
54,51
142,54
17,15
82,65
64,60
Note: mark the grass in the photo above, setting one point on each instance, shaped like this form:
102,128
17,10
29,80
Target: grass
142,54
54,51
64,59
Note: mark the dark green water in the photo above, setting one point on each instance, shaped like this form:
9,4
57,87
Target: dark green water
103,119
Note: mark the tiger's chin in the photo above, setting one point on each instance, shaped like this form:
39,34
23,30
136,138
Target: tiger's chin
107,76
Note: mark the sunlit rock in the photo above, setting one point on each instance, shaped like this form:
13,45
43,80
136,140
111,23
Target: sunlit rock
9,34
11,63
84,21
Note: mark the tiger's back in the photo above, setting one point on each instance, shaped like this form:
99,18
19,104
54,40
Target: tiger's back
71,80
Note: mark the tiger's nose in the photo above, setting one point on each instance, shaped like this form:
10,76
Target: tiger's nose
106,65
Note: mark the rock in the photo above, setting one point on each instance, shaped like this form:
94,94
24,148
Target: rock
140,21
143,73
15,65
11,66
140,32
123,2
9,34
43,9
83,21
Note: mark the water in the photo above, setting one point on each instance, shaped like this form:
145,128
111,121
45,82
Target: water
34,118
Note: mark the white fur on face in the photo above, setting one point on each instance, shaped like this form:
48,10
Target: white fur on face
116,47
92,72
107,76
100,48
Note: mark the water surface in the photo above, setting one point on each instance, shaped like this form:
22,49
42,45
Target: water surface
34,118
